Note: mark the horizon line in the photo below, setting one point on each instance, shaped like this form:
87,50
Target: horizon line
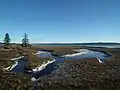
64,42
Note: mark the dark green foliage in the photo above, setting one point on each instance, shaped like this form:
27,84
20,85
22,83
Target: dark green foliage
25,41
7,39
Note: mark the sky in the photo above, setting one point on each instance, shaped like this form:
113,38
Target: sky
59,21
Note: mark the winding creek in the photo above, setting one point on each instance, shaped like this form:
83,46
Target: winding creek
51,66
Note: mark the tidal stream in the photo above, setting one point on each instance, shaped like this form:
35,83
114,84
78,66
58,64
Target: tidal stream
101,56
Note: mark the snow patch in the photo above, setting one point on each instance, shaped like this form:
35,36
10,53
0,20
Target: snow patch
43,66
10,68
14,59
80,52
33,79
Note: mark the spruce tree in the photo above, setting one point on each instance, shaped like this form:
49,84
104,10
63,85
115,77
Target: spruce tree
7,39
25,41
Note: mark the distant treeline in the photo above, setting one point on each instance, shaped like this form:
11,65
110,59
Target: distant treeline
75,44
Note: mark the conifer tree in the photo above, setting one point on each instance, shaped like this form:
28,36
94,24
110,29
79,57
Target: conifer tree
7,39
25,41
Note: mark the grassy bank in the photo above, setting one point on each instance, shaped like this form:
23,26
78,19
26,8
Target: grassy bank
12,81
61,50
34,60
15,81
85,74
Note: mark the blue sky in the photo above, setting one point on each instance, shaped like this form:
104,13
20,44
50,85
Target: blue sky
61,20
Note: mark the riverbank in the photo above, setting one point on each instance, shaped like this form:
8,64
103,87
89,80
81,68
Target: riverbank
42,66
74,54
86,74
12,66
